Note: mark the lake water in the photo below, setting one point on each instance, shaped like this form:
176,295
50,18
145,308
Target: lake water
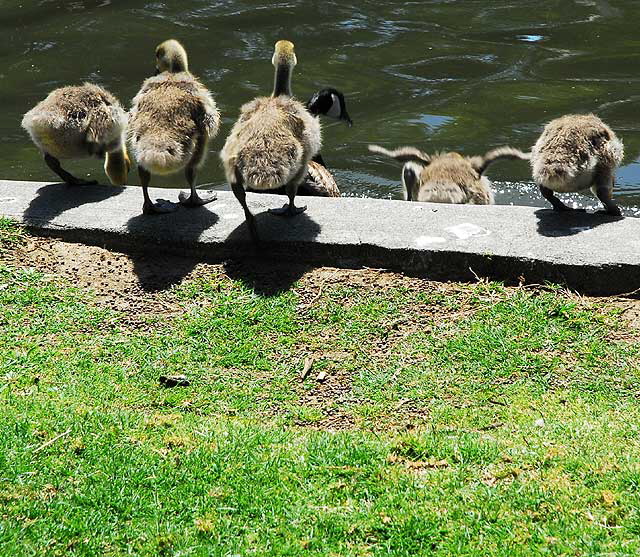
440,75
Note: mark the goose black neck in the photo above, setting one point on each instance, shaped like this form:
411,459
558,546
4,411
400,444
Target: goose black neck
282,84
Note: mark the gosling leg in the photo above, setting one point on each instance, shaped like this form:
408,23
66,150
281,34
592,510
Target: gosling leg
557,204
149,207
54,164
237,186
195,199
290,209
604,189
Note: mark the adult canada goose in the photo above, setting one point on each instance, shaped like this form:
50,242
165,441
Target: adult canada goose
575,153
172,119
272,142
329,102
78,122
319,181
448,177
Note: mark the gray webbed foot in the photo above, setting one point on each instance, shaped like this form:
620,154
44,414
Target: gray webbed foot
196,199
159,207
288,210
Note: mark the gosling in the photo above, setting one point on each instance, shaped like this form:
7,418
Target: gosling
448,177
172,119
575,153
78,122
272,142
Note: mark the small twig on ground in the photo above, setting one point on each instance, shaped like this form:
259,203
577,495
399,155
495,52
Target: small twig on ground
476,275
397,322
535,409
308,364
489,427
316,297
497,402
629,294
51,441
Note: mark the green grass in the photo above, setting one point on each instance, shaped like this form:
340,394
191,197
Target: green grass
492,421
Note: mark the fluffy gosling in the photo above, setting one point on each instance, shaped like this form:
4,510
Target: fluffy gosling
272,141
172,119
575,153
78,122
448,177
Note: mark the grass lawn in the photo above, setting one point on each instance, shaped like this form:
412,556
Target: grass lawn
436,420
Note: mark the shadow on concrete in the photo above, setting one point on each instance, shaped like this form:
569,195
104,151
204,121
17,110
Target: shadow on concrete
557,224
269,277
54,199
157,266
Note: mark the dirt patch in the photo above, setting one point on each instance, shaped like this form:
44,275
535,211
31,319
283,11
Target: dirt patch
630,316
141,281
135,283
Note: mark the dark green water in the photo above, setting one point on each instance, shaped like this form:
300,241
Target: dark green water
456,75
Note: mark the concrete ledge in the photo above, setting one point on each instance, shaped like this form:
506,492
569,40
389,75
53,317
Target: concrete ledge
591,253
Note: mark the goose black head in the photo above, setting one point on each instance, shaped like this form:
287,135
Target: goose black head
329,102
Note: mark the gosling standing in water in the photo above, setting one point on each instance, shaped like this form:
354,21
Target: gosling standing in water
448,177
172,119
79,122
272,142
575,153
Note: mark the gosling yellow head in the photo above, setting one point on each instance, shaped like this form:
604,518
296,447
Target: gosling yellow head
171,57
284,60
117,166
284,54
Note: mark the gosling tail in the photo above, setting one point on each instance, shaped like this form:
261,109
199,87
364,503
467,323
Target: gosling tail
403,154
480,164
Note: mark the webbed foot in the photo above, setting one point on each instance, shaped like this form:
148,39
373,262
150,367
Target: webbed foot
159,207
195,199
288,210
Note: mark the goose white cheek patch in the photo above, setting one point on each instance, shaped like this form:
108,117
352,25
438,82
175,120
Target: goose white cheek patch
334,111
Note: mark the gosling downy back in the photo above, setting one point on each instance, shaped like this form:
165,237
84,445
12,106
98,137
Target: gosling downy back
448,177
173,115
81,121
275,137
571,149
76,122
